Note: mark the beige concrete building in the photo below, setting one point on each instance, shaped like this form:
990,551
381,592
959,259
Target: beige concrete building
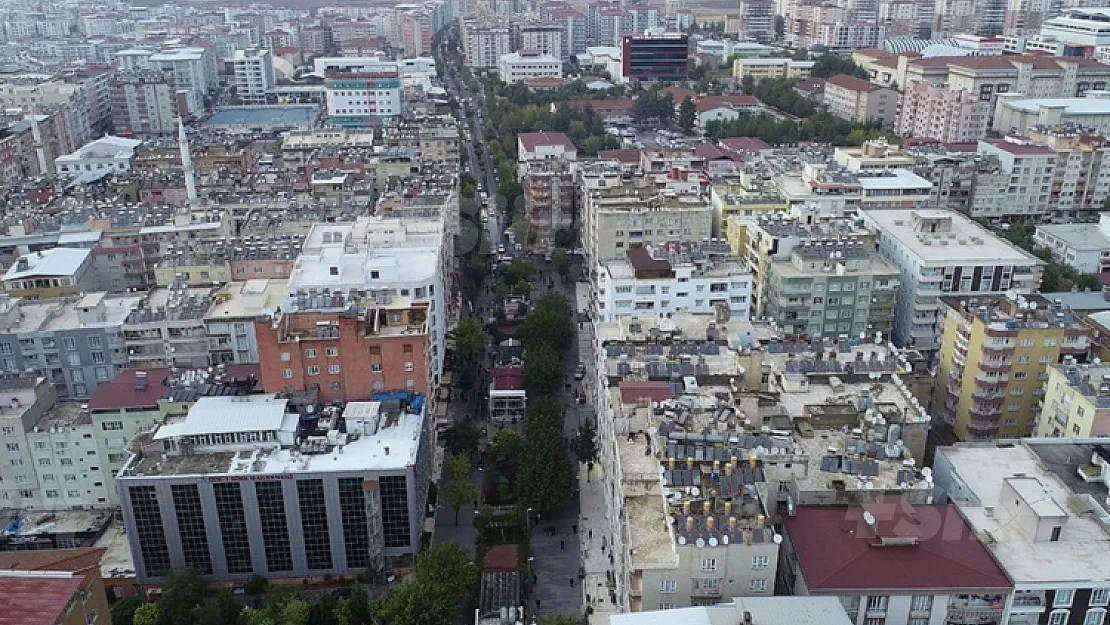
1076,402
775,68
856,100
937,112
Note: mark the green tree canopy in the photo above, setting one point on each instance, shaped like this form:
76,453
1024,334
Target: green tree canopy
687,114
551,323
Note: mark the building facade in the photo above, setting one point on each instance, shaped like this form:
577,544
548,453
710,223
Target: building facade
856,100
1076,401
942,114
254,74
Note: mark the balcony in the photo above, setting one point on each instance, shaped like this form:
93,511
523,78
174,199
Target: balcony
965,610
983,393
986,409
1028,601
705,591
981,378
996,365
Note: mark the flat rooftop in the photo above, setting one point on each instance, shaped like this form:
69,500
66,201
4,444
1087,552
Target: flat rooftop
61,314
375,441
1078,236
244,300
979,470
957,240
764,611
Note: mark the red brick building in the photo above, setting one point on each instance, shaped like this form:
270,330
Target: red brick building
347,356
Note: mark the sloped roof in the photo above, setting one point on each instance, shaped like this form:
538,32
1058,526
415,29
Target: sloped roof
533,140
58,261
36,600
852,83
838,551
632,392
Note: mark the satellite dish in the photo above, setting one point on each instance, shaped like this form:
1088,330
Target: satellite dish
670,520
712,541
868,486
700,543
778,539
695,491
774,451
725,539
868,517
926,471
682,540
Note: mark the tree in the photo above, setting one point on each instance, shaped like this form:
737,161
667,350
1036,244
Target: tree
181,594
324,611
459,489
560,260
566,237
469,344
256,585
461,438
543,371
355,609
546,480
442,582
123,611
586,447
551,322
222,609
148,614
831,65
687,114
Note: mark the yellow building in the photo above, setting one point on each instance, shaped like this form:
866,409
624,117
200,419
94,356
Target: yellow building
991,367
1076,402
55,272
774,68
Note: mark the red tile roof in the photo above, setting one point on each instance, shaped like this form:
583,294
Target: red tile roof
121,391
712,153
533,140
599,105
36,600
72,560
507,379
502,558
678,94
838,551
851,83
745,144
1023,149
632,392
810,86
623,156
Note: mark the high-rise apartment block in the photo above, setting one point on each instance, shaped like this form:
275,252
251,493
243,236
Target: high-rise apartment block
943,114
254,74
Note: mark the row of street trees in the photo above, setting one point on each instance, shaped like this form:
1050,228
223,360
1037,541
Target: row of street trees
443,582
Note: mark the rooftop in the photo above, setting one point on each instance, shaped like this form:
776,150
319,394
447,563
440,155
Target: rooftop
891,545
974,475
1071,106
1014,312
36,599
141,389
56,261
955,239
763,611
851,83
380,436
247,300
1078,237
533,140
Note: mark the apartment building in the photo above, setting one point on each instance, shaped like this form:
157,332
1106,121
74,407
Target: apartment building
1076,401
572,24
527,64
991,368
620,212
229,323
942,114
383,263
954,577
860,101
278,495
547,39
549,199
1079,246
1024,495
655,282
366,93
254,74
944,253
193,69
146,102
774,68
757,20
484,45
831,288
53,272
167,329
542,146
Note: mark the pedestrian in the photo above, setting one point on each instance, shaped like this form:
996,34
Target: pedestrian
535,579
537,604
602,547
562,544
574,528
591,534
572,582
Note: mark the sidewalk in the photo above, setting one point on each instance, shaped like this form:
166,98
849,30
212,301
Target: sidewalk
595,561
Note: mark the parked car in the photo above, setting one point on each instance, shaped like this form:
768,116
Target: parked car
580,372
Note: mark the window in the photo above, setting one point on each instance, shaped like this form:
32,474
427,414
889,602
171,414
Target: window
287,374
333,369
52,494
61,446
375,368
1095,617
875,621
314,370
757,585
44,462
69,477
110,426
332,352
668,586
709,564
94,342
921,603
1100,596
8,431
48,477
73,359
1058,617
69,343
760,562
285,356
309,353
378,385
664,605
876,603
406,349
408,366
73,493
13,447
1062,598
65,462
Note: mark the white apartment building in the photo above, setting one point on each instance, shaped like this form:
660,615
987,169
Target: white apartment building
943,114
939,252
254,74
484,46
1043,503
1079,26
361,92
520,66
546,39
1081,246
776,68
193,70
380,259
652,282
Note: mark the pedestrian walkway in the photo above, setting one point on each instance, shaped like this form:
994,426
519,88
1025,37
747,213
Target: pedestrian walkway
555,553
595,559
